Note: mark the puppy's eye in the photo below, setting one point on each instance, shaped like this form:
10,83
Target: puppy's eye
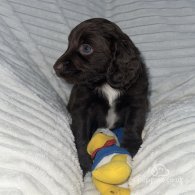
85,49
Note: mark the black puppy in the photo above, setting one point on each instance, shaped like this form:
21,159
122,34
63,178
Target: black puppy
110,84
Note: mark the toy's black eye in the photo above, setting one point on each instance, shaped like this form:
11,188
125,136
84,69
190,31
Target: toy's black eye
85,49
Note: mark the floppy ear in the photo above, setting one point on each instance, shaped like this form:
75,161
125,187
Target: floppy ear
125,64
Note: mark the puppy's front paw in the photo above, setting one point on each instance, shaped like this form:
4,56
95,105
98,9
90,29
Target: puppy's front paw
132,145
85,163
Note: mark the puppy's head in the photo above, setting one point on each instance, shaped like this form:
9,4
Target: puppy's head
99,52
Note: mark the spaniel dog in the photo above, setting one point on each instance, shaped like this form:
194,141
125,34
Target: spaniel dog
110,84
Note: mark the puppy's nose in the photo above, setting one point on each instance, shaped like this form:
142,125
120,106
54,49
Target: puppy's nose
60,66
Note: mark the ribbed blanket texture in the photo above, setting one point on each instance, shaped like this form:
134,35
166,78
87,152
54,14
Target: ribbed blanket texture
37,150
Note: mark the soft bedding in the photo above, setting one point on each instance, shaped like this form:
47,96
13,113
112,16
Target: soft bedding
38,154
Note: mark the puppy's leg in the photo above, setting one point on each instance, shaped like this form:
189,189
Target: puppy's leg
81,130
134,124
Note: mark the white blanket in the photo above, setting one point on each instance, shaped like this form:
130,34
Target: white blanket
38,155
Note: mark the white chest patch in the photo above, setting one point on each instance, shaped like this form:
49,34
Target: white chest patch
111,95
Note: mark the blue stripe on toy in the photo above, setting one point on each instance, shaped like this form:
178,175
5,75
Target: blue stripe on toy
108,151
119,133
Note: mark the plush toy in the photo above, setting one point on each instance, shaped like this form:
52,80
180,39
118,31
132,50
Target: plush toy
111,164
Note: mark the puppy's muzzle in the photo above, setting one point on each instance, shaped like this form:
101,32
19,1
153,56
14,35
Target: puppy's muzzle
62,67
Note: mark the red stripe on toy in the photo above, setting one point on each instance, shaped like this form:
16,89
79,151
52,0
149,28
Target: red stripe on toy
107,144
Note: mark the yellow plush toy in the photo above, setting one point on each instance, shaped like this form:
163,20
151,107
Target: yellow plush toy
111,164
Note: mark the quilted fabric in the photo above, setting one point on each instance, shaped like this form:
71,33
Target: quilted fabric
38,155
